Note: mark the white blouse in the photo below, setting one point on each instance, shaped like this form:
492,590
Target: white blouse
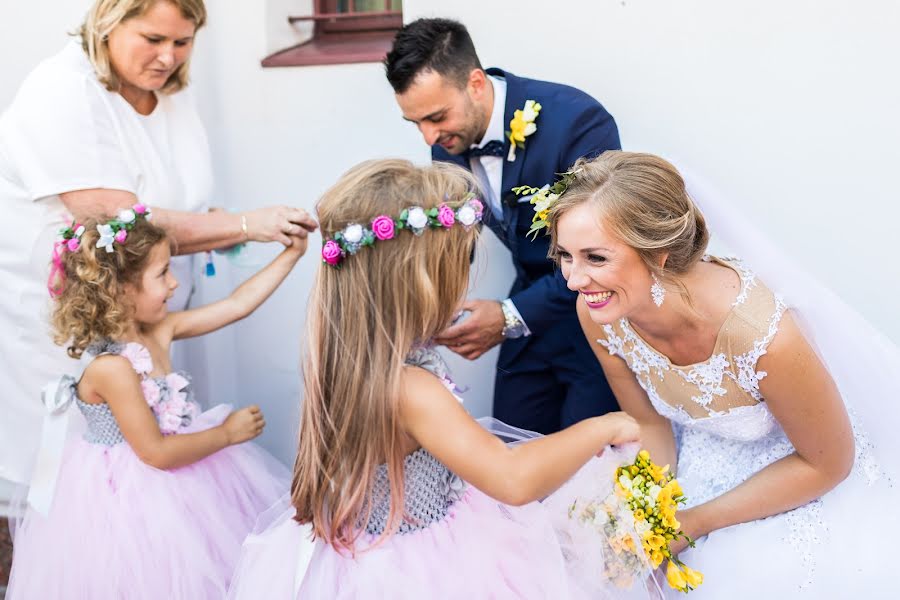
64,132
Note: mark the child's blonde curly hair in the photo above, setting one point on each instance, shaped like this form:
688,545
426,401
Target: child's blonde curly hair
91,304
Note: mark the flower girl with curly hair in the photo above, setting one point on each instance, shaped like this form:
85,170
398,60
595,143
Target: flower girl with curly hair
397,491
154,500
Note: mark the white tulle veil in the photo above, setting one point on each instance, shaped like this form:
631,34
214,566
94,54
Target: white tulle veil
863,362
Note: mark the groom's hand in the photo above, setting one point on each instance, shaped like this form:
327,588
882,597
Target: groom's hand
478,333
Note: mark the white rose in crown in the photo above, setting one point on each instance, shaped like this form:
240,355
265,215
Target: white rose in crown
353,233
416,218
126,215
466,215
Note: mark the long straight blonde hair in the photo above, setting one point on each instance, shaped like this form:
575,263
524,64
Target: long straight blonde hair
363,320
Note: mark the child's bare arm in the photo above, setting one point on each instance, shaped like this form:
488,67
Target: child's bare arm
511,474
114,381
242,301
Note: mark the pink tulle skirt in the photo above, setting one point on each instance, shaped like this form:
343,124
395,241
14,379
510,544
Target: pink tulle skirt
482,549
119,528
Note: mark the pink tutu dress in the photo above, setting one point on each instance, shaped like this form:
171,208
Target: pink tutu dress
119,528
454,542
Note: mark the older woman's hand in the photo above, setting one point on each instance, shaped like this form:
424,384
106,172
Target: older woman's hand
278,224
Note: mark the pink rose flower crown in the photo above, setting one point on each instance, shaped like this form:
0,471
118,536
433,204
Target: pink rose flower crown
114,231
415,219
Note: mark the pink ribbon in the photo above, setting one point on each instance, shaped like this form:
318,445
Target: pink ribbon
57,272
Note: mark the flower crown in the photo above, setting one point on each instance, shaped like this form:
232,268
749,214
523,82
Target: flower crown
383,227
113,231
544,198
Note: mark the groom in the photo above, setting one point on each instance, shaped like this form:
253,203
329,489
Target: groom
547,376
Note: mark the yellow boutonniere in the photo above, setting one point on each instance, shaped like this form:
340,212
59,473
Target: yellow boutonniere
521,126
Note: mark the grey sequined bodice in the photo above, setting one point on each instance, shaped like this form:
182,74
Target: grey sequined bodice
101,424
430,488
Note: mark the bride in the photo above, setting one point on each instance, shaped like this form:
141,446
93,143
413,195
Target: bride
775,403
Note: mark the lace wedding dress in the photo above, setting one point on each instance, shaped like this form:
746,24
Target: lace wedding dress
834,547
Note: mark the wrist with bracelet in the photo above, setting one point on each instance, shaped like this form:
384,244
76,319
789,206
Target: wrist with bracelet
513,327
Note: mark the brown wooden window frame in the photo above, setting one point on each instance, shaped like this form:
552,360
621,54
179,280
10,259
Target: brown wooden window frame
341,37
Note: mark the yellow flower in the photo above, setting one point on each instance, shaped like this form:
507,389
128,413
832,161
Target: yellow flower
639,514
656,541
522,125
644,455
675,577
694,578
658,472
517,128
656,558
674,488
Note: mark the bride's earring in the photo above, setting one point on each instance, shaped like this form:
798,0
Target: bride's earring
657,291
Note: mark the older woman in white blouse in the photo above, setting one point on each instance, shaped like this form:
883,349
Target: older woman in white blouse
101,125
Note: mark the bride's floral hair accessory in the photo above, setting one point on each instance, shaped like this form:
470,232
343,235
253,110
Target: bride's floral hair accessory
113,231
544,198
383,227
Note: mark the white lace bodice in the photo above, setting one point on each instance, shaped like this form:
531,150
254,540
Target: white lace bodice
721,418
724,430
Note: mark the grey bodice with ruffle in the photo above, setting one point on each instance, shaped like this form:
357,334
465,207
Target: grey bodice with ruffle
430,488
102,427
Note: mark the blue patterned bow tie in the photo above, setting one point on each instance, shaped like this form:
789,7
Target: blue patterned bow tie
492,148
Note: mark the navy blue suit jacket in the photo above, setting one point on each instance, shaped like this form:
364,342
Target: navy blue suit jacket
571,125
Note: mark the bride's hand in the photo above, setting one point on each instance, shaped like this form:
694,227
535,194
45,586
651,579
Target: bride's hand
621,428
690,524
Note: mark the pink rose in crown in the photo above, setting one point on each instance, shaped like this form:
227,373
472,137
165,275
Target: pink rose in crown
121,235
383,227
332,253
446,216
73,244
478,206
139,357
139,209
151,392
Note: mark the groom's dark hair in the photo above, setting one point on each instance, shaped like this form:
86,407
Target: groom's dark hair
440,45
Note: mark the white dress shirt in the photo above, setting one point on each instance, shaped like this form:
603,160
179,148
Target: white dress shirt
489,169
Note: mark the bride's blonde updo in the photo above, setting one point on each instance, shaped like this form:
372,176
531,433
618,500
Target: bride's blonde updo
641,199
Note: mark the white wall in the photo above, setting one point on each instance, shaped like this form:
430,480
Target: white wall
791,107
29,32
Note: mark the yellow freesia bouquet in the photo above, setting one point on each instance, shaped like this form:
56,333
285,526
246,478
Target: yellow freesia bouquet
638,523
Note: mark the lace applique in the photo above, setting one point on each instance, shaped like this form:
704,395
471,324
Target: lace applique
642,361
707,377
748,277
748,280
747,377
805,525
864,461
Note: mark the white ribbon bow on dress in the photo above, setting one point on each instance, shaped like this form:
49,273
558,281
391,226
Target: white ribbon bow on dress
57,397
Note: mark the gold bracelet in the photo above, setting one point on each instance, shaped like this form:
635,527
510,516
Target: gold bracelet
244,228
